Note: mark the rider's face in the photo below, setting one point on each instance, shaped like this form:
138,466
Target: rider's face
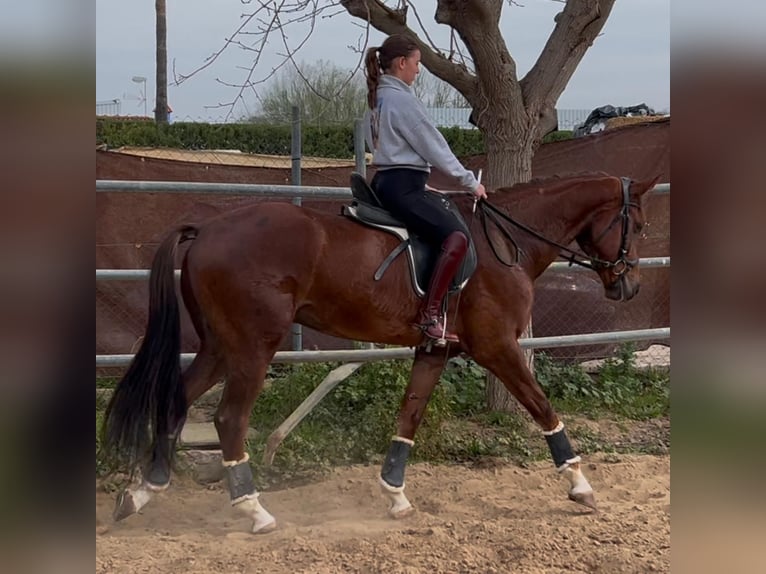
408,67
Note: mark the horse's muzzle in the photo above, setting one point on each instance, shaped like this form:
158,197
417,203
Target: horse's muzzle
623,289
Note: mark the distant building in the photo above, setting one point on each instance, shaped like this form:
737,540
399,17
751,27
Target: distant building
458,117
109,107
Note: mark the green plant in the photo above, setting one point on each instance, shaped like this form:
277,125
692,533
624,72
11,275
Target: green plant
588,441
464,383
101,466
640,393
618,387
355,422
563,381
323,92
559,135
330,140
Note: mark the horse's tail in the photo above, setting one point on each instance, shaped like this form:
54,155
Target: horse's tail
150,395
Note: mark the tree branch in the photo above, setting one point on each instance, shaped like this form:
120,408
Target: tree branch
268,17
549,121
477,22
577,26
390,21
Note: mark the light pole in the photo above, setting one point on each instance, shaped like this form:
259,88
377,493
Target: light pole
142,80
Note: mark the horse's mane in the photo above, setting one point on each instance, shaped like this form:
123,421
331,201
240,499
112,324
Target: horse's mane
518,195
551,181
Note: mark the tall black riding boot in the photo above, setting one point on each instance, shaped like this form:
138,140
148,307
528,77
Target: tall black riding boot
453,251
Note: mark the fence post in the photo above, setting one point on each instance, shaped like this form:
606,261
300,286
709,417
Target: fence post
361,162
297,330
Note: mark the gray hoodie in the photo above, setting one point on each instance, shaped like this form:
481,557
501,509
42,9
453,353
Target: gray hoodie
400,134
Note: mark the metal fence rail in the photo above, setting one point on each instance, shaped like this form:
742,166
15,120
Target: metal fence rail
143,274
288,191
366,355
291,191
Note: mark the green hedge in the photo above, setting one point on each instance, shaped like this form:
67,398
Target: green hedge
325,141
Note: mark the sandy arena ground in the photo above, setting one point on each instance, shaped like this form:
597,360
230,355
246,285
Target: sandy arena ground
493,519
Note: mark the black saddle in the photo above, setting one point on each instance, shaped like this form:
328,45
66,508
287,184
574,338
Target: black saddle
367,209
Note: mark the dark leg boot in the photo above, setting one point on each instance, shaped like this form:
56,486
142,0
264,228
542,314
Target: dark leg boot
452,253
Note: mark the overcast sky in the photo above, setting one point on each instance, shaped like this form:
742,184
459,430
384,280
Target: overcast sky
627,65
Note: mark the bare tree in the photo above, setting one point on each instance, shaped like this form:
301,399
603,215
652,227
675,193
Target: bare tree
436,93
322,91
161,98
513,113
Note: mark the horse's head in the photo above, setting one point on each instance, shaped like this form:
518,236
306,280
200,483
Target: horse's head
610,241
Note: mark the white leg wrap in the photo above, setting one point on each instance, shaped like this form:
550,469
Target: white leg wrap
571,470
141,495
404,440
250,506
399,505
131,500
569,463
559,428
236,462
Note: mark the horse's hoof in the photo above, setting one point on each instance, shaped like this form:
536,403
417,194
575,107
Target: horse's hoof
399,506
264,528
124,507
131,501
400,513
584,498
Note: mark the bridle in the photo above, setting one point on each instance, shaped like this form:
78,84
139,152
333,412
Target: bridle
619,266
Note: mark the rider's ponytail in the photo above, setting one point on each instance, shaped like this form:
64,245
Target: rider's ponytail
379,60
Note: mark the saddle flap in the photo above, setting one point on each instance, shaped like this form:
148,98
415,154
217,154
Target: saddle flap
372,214
362,191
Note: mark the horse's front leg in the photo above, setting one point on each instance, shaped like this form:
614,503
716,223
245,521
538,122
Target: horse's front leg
510,367
425,374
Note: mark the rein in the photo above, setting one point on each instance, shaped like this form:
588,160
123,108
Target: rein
619,267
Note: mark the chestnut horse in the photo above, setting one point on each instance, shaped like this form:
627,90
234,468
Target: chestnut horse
251,272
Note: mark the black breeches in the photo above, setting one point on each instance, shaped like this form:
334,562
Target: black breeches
402,192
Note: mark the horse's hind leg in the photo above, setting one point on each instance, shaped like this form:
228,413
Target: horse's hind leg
205,370
510,367
243,385
425,374
202,374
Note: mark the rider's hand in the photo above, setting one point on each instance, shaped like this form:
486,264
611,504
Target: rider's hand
480,192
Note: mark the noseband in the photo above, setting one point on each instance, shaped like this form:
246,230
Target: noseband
622,264
619,267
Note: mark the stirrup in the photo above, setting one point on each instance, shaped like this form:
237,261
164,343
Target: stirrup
439,341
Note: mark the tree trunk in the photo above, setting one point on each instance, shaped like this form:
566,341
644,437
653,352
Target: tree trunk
498,397
161,98
509,161
508,165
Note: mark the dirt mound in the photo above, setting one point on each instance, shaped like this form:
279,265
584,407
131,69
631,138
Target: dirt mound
612,123
498,519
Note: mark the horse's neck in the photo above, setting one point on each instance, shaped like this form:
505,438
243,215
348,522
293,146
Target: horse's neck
557,214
